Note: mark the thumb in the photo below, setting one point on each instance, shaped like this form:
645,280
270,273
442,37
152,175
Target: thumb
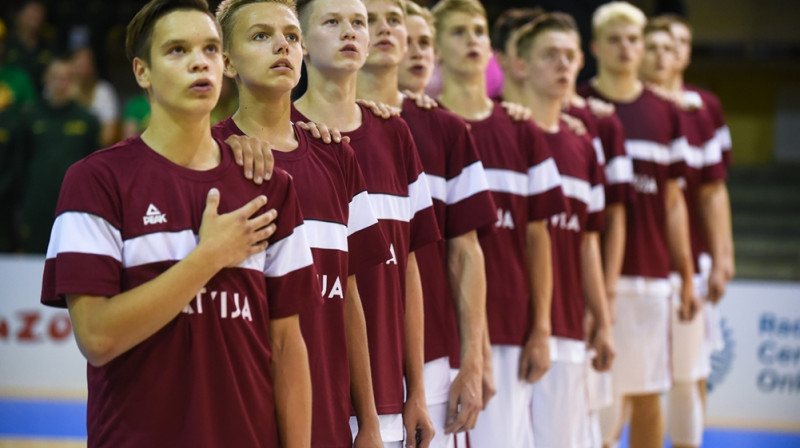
212,202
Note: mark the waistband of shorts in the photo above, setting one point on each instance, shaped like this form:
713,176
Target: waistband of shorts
567,350
628,285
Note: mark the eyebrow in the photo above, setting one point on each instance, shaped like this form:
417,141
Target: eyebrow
172,42
265,26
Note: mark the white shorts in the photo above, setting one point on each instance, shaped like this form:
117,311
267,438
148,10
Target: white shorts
599,389
437,390
559,407
392,429
506,421
641,336
693,342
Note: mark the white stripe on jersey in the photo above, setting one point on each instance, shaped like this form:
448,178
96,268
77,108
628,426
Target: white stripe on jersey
576,189
543,177
361,213
419,194
158,246
679,150
326,235
507,181
84,233
598,149
288,255
723,135
387,206
597,201
647,151
471,180
619,170
710,154
438,187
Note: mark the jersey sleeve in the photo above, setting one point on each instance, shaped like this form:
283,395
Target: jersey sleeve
545,195
84,255
679,146
468,201
366,243
722,132
424,229
618,164
292,285
597,196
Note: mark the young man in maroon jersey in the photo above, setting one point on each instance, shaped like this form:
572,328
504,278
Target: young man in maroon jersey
263,53
545,51
336,44
656,230
452,270
184,314
710,228
525,186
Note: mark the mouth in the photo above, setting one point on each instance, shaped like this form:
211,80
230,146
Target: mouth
349,49
473,54
384,45
418,69
282,64
202,85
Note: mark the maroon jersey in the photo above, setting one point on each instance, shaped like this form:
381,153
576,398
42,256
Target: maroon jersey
526,187
344,237
608,137
712,104
704,164
125,215
462,202
582,181
402,203
654,140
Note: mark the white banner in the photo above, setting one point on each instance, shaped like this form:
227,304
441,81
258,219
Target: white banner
755,379
38,354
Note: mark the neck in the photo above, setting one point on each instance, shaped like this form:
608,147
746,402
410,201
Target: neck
513,90
267,116
676,83
184,140
545,110
622,87
379,84
466,95
331,100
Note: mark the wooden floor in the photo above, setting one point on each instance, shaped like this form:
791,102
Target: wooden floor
29,443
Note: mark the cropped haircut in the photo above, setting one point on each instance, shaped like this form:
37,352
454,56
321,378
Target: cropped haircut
555,21
616,13
673,19
226,13
139,34
508,22
657,24
446,7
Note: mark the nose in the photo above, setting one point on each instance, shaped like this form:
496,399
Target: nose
200,61
383,26
281,45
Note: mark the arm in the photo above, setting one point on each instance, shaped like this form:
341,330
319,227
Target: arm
415,412
467,276
292,382
679,247
535,359
105,328
360,375
613,250
594,293
715,212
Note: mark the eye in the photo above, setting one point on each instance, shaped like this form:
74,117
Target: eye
293,37
176,50
260,36
394,21
331,22
212,48
358,23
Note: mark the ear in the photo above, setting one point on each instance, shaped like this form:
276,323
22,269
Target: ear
230,71
593,47
141,72
519,68
581,59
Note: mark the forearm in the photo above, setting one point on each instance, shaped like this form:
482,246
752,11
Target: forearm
678,232
613,243
467,277
291,382
414,356
358,356
107,327
715,213
594,289
540,274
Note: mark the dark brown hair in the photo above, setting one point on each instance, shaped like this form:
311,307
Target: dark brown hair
139,35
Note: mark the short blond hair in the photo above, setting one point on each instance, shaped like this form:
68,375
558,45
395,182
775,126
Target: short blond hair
446,7
226,12
617,13
414,9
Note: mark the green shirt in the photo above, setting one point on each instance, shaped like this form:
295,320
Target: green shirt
16,89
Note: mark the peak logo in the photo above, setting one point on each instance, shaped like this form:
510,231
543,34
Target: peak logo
154,216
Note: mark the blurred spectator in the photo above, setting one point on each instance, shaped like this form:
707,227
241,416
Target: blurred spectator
26,46
136,116
57,133
98,95
16,89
